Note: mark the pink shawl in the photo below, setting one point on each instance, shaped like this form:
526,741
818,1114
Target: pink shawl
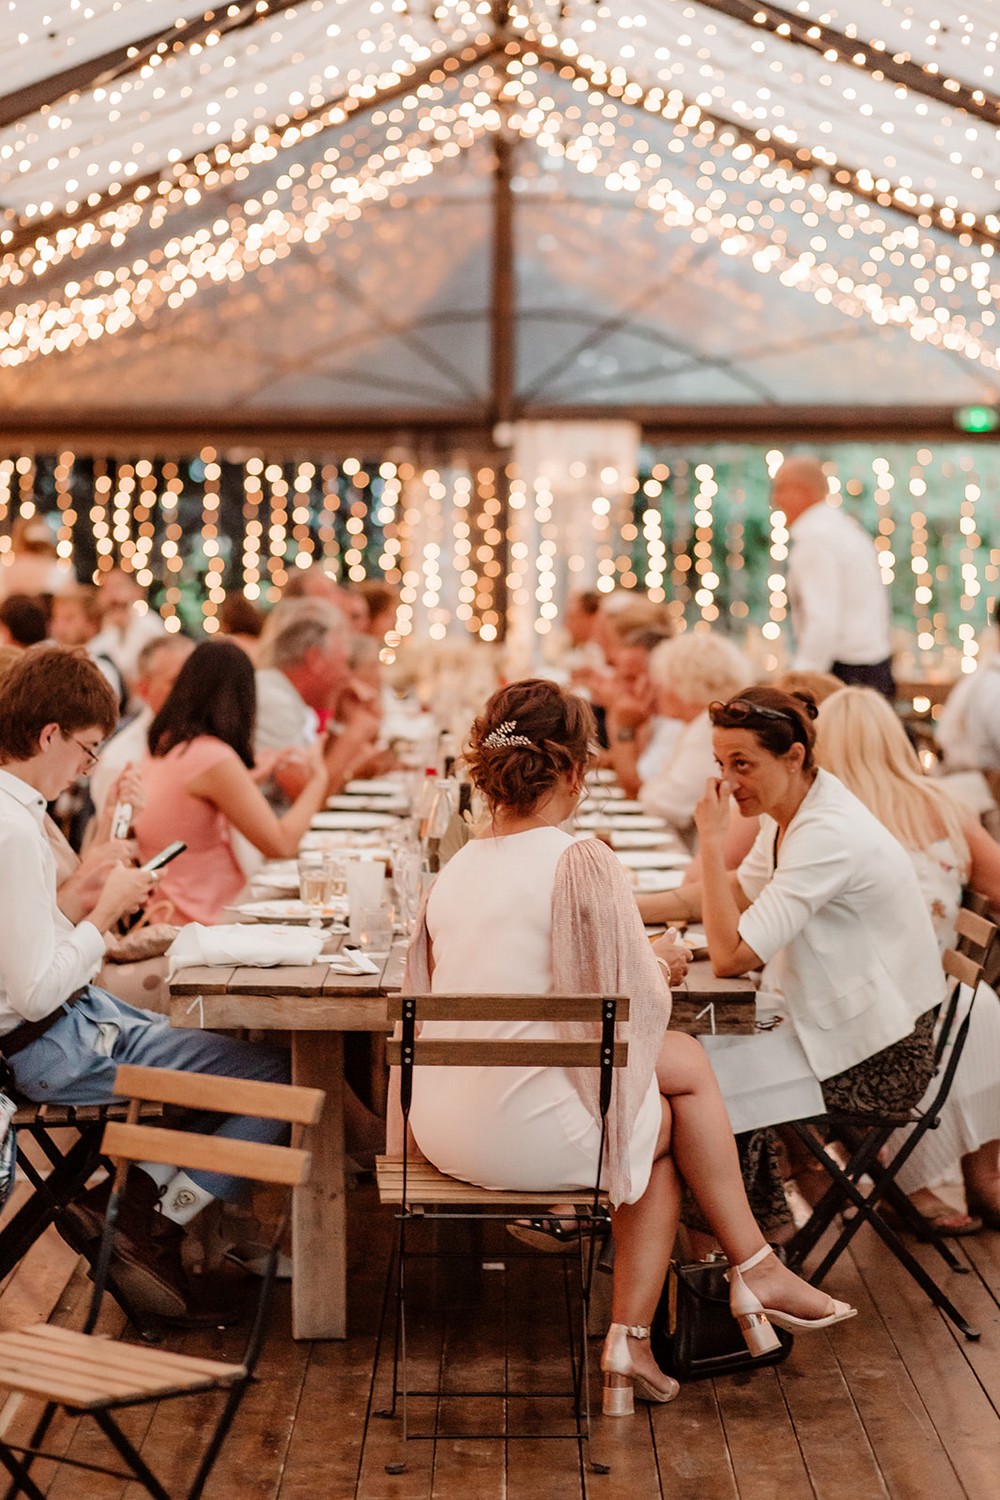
599,946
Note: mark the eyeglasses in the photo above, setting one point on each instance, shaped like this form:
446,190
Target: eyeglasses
92,755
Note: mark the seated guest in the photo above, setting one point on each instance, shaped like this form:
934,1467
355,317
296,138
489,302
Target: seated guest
23,621
381,601
35,566
159,662
199,785
302,672
241,621
76,621
639,739
317,583
127,622
862,742
526,909
688,673
62,1037
969,729
829,898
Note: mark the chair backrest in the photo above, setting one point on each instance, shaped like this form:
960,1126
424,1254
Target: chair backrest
603,1052
519,1052
976,936
135,1141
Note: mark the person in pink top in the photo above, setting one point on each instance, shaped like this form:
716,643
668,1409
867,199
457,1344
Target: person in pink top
200,782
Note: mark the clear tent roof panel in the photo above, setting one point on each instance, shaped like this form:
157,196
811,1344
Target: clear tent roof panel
655,261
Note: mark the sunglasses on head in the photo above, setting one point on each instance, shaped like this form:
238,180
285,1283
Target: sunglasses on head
739,710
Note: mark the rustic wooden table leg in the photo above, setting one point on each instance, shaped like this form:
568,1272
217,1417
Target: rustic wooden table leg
319,1214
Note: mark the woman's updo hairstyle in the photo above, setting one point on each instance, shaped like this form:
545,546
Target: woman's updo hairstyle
777,720
529,734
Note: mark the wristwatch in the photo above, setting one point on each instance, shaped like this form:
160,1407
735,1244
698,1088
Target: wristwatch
625,735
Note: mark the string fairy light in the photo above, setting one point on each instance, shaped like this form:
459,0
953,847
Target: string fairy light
214,593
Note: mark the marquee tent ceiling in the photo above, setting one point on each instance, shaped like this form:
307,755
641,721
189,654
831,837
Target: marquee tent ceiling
470,211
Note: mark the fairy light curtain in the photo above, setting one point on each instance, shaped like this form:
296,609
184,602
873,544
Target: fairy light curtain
587,507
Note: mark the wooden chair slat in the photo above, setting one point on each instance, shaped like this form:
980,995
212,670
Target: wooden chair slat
236,1096
964,969
471,1052
206,1153
976,928
426,1185
509,1007
82,1375
139,1356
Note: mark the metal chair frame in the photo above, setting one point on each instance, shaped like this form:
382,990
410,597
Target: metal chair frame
408,1051
866,1138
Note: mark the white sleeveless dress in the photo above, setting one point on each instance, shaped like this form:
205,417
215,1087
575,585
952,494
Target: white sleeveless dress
971,1117
490,923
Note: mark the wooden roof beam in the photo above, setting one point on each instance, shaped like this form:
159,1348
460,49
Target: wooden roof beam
874,57
122,61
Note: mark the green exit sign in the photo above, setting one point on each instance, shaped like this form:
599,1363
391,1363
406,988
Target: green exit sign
977,418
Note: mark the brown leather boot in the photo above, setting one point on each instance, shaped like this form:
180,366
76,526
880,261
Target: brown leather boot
147,1252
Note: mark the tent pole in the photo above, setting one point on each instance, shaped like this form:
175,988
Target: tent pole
503,353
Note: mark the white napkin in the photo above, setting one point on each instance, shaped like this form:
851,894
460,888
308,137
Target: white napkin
253,946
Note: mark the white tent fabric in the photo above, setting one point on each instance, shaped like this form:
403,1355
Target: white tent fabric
281,257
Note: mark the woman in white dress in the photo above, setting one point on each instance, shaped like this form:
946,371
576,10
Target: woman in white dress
829,900
525,908
863,743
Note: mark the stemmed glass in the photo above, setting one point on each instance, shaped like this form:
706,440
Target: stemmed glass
408,883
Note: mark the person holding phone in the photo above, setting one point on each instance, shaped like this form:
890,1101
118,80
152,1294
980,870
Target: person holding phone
200,784
62,1036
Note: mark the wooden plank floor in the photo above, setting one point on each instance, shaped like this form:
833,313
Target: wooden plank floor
894,1405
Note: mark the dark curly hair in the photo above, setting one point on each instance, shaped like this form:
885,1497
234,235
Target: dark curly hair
777,720
559,727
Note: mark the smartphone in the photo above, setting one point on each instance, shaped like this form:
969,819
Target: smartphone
165,856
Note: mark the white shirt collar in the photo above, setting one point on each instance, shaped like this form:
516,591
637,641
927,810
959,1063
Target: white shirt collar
25,794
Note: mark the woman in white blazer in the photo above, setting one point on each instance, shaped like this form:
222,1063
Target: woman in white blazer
828,900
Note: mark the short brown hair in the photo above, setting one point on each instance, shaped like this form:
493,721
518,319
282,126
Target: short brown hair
52,685
558,727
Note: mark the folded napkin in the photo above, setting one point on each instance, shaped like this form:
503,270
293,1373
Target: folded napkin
253,946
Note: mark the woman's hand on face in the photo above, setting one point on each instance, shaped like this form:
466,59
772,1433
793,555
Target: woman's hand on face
672,955
711,815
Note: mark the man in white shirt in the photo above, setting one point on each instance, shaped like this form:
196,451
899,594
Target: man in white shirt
62,1037
127,622
969,729
160,660
840,606
303,670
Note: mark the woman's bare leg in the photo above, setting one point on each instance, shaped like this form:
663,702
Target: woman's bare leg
644,1238
704,1150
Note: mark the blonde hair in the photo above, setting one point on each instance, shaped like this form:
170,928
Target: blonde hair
862,742
700,667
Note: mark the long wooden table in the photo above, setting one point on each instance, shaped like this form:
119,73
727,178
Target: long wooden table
317,1006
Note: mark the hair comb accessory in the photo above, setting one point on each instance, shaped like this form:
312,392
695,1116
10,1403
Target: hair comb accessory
504,738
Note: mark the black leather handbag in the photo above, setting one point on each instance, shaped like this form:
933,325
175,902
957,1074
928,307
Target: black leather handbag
694,1334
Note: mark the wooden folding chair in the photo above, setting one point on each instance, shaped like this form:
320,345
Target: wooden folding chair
425,1195
70,1163
88,1375
866,1138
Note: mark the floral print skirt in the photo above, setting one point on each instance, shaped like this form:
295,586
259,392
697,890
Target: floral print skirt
890,1083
